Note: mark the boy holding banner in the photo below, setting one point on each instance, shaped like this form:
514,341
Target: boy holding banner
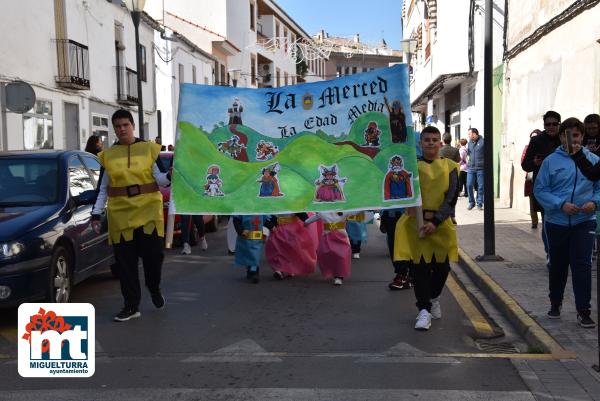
428,250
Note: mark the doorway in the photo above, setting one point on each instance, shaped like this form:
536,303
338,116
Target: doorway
72,126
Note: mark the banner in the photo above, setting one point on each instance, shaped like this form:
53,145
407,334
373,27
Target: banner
343,144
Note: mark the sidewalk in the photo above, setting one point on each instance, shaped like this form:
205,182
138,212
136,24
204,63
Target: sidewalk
523,276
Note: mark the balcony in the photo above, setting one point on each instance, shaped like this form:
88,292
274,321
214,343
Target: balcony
73,64
127,93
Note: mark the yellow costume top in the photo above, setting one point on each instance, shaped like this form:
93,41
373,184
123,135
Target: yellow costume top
434,178
129,165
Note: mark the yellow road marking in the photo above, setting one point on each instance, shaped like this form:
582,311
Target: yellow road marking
479,322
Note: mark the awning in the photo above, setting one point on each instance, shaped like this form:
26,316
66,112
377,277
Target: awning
442,84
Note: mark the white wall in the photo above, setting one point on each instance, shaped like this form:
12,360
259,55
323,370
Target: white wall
561,72
31,55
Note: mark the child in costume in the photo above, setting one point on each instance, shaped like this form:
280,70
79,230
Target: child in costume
429,250
289,249
333,253
356,227
249,243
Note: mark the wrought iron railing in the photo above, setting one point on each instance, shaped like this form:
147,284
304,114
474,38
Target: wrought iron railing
127,92
73,64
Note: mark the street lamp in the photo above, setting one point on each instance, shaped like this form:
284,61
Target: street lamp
136,7
408,46
235,73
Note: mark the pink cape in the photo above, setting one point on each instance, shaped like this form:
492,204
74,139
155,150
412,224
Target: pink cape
290,249
333,254
316,231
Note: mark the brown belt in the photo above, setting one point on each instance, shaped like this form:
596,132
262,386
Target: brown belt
133,190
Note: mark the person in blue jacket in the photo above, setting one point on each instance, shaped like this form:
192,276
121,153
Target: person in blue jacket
570,201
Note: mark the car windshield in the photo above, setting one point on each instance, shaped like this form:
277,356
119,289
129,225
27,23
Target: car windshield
28,181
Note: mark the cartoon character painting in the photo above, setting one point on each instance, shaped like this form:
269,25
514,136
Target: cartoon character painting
265,150
232,147
372,134
330,185
213,182
269,183
397,121
397,182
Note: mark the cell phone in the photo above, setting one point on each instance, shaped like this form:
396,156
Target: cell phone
569,141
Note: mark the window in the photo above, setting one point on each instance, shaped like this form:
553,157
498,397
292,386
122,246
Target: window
365,69
285,39
277,34
142,72
278,77
93,166
285,78
338,71
253,68
28,182
100,126
194,74
252,16
37,126
354,70
181,77
79,178
346,70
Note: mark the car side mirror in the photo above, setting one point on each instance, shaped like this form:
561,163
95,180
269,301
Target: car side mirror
86,198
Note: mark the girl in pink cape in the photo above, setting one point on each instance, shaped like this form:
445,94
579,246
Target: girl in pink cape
329,185
290,248
333,253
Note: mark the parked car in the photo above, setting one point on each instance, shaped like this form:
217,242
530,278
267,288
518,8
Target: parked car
210,221
46,242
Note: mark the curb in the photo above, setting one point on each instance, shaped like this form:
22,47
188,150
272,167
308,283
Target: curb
526,326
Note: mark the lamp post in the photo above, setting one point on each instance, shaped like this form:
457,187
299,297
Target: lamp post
408,47
235,73
136,7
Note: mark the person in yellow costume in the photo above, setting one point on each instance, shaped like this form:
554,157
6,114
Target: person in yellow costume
429,251
129,180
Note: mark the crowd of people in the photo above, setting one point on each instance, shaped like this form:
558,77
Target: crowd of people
422,242
562,169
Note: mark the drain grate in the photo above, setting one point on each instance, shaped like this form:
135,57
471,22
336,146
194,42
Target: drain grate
496,348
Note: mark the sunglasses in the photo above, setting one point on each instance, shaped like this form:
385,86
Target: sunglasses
552,124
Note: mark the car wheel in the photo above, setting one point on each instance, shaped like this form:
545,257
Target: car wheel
60,277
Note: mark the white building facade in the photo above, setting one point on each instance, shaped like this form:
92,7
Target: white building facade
446,86
79,57
552,63
250,39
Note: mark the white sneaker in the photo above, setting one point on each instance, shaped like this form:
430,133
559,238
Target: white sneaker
436,309
356,256
423,320
338,281
203,244
186,249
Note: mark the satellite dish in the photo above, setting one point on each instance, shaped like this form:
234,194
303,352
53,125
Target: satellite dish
20,97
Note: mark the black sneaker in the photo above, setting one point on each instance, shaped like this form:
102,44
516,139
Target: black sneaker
554,312
400,282
584,319
127,313
158,300
277,275
252,276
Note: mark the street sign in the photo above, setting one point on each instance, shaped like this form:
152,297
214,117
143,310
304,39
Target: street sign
20,97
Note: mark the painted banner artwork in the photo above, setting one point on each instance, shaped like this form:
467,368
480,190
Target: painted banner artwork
343,144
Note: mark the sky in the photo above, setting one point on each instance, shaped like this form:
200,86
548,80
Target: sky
372,19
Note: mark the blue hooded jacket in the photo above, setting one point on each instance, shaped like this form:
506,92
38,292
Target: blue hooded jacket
560,181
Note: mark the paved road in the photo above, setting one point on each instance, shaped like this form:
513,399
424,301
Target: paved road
223,338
